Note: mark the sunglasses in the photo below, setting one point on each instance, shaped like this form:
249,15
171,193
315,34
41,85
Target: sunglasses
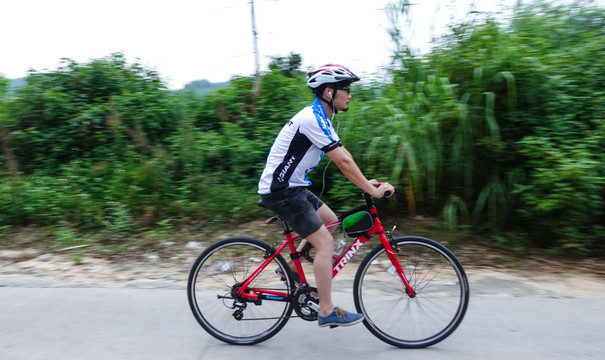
346,89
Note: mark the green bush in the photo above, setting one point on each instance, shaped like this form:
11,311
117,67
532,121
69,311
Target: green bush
522,140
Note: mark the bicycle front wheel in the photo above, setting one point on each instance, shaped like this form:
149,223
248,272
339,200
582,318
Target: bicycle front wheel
218,271
437,277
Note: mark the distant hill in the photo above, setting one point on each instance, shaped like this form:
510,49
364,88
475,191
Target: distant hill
202,87
16,83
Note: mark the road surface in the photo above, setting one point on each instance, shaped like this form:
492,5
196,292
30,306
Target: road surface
42,320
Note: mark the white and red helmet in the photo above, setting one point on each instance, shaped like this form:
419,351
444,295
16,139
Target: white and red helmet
329,74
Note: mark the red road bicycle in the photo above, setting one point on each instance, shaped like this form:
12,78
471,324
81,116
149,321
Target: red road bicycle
412,291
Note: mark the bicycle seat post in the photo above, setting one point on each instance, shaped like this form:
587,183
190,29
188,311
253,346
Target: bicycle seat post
285,226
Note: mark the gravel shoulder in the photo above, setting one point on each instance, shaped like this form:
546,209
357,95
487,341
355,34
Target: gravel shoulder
169,270
490,272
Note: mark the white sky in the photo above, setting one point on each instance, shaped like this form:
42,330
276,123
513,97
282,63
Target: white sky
186,40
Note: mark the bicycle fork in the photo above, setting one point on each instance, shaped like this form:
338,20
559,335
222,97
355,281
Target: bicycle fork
392,251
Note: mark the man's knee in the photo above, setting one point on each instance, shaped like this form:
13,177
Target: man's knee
321,239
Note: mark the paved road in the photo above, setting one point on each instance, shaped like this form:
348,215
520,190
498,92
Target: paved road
115,323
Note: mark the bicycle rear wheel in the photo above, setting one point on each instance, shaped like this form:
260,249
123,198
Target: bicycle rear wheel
218,271
437,277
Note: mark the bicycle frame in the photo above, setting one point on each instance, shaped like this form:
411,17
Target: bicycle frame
253,294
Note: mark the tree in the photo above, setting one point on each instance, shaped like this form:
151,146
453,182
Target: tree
89,111
289,65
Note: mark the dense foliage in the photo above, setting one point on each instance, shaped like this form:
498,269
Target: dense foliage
539,82
500,129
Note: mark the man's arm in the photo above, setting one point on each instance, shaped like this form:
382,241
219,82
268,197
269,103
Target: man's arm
345,162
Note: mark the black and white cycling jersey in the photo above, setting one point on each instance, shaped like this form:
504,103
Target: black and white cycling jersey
298,148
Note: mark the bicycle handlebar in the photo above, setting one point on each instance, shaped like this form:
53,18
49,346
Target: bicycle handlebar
386,193
370,203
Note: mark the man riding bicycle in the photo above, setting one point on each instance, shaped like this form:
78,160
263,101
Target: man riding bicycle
296,151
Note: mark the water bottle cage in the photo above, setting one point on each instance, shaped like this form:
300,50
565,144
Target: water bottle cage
306,252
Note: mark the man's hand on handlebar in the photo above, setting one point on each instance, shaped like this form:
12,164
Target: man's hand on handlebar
383,189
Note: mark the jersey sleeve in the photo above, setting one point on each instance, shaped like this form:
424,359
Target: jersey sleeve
320,132
331,146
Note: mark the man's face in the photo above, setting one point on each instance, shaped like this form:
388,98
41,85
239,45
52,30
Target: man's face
342,98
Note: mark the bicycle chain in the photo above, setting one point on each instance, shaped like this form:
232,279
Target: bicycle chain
302,296
271,318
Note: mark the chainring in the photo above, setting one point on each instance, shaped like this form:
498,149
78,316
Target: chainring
301,298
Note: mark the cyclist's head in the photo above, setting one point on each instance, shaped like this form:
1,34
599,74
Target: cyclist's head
330,75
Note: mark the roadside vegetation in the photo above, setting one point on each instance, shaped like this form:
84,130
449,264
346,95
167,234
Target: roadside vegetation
499,132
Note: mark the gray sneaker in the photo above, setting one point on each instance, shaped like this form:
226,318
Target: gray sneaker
339,317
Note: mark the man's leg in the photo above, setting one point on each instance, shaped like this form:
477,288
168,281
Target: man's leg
323,243
327,216
329,315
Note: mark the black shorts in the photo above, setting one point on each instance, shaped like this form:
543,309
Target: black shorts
298,207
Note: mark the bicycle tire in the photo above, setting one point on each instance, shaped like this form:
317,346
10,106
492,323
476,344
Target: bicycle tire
437,277
217,270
